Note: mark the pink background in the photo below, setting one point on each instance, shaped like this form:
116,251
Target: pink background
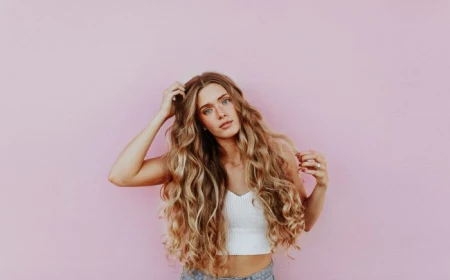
365,82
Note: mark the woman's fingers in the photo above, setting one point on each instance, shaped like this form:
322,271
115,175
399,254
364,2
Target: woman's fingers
310,159
310,155
176,86
176,92
312,163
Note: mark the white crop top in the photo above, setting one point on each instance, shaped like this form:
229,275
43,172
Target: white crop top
247,225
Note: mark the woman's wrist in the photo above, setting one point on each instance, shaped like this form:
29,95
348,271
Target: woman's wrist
161,117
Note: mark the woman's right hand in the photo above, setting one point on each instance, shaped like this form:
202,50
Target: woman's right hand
167,108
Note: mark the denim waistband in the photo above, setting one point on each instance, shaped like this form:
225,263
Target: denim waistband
264,274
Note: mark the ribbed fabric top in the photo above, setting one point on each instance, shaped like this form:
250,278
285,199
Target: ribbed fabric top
247,225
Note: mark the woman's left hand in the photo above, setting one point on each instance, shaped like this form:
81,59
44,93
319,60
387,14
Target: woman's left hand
314,163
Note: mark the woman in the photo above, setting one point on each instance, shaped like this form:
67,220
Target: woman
230,185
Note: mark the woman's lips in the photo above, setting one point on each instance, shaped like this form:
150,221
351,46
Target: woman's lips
226,125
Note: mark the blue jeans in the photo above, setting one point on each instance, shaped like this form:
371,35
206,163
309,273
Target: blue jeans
265,274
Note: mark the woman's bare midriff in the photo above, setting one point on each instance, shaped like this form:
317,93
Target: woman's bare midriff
245,265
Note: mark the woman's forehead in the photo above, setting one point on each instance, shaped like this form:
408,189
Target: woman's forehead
210,94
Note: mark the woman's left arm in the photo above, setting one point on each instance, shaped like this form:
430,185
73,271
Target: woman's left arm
312,163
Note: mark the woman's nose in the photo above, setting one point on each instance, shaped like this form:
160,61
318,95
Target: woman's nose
221,113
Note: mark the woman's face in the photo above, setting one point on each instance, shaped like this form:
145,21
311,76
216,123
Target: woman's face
216,110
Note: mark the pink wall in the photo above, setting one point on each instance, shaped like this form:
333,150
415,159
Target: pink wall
365,83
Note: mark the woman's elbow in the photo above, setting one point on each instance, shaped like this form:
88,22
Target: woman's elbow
115,180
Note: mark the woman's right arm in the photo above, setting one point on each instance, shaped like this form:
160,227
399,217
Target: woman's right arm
130,169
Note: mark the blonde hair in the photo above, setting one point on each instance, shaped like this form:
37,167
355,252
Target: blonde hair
195,191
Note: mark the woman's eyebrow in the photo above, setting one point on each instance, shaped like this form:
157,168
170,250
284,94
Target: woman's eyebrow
217,99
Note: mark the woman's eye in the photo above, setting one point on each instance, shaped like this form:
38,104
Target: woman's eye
206,111
226,100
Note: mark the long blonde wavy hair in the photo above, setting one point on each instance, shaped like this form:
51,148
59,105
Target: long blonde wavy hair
194,194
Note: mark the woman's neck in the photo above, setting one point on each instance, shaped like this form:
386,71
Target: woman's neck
232,155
